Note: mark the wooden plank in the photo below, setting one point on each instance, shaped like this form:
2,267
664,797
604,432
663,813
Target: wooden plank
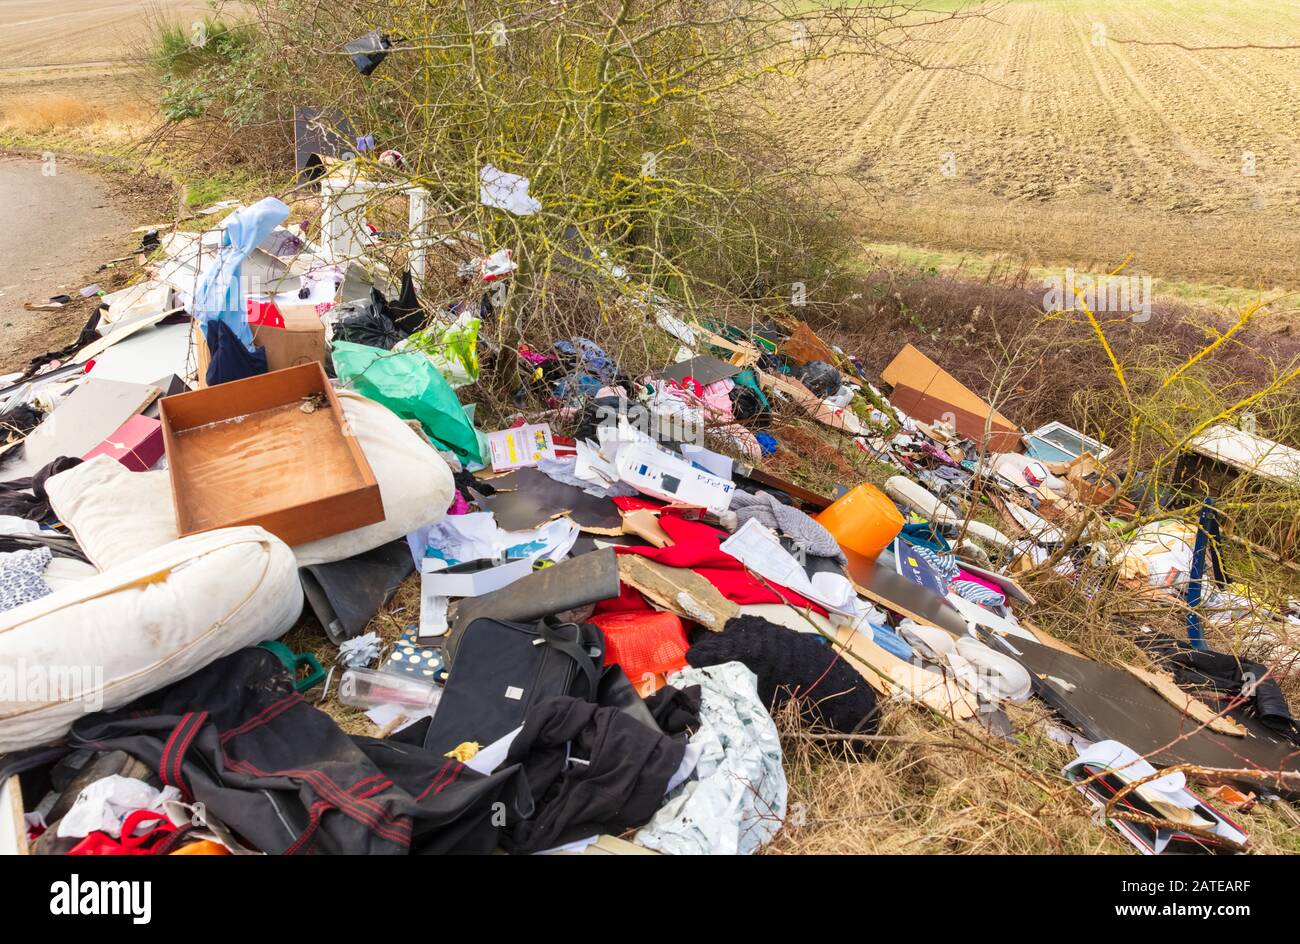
844,421
890,675
1194,708
677,590
910,368
13,828
808,498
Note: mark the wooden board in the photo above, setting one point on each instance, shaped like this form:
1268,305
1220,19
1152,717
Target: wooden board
1103,702
13,828
890,675
912,369
894,592
665,586
925,391
809,499
844,421
803,346
1194,708
247,453
88,416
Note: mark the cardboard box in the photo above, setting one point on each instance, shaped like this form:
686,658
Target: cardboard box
273,451
137,444
292,337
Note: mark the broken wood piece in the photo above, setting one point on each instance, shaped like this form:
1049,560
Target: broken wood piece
644,523
677,590
1193,707
890,675
13,827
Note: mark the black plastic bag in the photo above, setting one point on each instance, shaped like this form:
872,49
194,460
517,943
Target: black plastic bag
367,322
820,377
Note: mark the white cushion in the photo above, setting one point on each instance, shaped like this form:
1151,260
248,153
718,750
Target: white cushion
117,515
111,638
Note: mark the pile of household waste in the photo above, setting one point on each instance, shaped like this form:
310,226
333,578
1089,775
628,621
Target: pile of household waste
613,625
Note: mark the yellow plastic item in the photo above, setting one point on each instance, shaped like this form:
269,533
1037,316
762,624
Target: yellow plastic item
863,520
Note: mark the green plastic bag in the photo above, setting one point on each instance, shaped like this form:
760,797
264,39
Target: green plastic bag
409,385
453,348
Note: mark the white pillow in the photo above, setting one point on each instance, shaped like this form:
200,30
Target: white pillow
108,639
116,514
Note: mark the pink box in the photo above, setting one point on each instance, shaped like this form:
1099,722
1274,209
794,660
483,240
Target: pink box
137,444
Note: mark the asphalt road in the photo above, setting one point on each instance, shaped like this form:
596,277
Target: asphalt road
55,230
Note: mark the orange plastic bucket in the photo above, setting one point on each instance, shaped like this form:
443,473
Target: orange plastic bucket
864,520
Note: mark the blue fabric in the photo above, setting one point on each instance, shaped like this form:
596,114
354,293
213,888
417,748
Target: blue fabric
227,358
766,442
890,641
220,292
924,534
978,593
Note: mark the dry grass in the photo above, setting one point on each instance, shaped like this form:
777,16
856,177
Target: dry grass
930,786
63,121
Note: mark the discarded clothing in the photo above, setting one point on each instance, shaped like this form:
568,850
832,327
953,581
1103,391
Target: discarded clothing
18,422
219,295
675,710
22,577
591,770
26,498
228,358
735,801
236,737
1229,676
789,666
767,510
697,546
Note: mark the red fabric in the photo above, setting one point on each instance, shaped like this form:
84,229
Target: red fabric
101,843
696,546
629,600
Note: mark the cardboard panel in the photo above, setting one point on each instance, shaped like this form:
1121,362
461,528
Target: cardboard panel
927,408
89,415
